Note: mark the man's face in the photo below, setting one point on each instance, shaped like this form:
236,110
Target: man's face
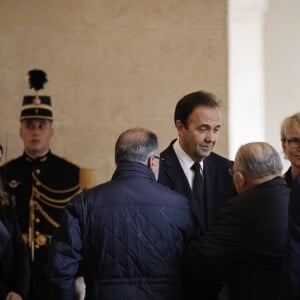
202,131
36,135
291,148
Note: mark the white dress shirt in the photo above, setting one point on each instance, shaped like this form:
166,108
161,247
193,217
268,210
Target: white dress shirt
186,162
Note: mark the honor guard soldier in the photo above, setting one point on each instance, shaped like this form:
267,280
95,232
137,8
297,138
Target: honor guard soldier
40,182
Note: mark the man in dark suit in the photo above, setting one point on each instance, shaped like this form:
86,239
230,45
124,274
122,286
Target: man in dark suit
198,121
245,245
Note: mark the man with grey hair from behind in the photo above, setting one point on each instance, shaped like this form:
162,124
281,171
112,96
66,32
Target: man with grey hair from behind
129,233
255,163
244,246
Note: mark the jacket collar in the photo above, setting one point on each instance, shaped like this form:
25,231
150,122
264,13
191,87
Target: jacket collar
275,182
41,159
133,169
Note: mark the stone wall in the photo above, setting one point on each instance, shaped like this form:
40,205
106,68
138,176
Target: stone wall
111,65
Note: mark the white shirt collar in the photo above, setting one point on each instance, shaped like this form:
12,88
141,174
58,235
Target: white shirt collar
185,161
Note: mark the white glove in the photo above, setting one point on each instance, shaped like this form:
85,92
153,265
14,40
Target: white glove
80,288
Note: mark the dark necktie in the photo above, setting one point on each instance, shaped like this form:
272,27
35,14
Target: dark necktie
198,188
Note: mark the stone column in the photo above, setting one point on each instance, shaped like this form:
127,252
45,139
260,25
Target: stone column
246,72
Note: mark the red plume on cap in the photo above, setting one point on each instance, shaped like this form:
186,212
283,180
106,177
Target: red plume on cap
37,79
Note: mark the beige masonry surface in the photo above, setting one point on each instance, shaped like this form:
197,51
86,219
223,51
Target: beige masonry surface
111,65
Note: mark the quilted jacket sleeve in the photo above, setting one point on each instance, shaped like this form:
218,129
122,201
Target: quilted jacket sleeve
65,253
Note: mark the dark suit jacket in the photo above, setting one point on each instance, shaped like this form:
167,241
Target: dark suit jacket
218,183
244,246
291,266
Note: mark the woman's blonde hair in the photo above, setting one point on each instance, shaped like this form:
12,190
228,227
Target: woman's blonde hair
291,123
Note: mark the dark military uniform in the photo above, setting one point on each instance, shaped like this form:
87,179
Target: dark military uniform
40,188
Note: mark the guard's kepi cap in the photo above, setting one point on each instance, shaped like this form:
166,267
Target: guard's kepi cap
35,106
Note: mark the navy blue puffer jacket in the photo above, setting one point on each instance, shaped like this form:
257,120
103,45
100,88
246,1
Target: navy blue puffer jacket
127,234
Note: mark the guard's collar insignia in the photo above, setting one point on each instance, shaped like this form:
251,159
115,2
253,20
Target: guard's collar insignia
14,183
29,159
43,159
39,159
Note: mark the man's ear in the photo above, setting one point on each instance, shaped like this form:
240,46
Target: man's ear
20,133
151,161
240,181
179,126
153,165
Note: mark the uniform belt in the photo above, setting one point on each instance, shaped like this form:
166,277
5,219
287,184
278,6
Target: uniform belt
39,240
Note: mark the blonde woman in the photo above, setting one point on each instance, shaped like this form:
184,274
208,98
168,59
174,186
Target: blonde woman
290,139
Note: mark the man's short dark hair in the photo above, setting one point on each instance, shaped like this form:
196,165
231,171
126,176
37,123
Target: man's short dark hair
189,102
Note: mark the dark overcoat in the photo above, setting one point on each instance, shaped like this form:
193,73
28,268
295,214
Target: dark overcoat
244,247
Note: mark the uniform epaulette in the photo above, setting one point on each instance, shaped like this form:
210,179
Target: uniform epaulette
71,162
87,178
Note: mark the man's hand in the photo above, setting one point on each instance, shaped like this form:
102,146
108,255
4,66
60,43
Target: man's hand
80,288
13,296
